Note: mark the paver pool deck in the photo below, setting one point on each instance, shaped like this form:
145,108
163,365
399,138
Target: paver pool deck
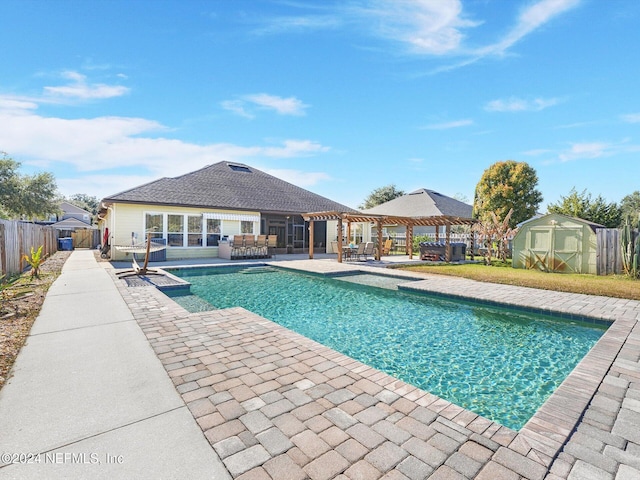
273,404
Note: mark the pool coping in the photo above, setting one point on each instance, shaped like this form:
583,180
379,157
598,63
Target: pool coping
552,424
545,434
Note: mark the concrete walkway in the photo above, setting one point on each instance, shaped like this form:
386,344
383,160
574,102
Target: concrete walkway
89,398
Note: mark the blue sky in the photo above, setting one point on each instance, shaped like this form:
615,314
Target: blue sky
336,97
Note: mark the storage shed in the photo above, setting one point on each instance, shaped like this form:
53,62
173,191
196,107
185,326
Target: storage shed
556,243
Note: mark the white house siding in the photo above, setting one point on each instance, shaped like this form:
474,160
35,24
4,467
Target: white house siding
124,220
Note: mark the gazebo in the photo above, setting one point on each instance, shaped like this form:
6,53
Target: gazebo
379,220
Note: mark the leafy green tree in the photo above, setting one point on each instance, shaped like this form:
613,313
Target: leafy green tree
381,195
504,186
581,205
25,196
630,205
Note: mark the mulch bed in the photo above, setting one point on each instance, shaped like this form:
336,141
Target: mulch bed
19,307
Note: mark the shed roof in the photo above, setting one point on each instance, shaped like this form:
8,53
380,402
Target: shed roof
228,185
423,203
545,218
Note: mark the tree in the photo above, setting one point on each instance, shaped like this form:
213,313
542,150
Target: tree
381,195
630,205
506,185
581,205
25,196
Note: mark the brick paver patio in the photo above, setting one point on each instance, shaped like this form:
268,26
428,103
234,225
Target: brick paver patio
276,405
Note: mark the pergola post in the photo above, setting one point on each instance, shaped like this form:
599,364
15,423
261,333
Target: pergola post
437,233
410,240
447,243
339,240
379,250
348,240
311,232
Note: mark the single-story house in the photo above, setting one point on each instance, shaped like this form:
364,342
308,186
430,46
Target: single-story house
421,203
192,213
556,243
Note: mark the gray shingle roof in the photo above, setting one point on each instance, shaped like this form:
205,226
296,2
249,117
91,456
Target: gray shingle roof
423,203
228,185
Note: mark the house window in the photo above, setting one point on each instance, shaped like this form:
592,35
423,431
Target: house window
214,229
246,226
175,231
154,224
194,235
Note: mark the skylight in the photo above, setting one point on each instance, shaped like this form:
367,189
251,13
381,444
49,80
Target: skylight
239,168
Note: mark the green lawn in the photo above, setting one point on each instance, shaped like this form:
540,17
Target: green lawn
611,286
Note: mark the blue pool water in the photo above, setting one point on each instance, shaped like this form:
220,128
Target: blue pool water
499,363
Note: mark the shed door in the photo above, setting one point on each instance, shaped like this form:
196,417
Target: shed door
555,249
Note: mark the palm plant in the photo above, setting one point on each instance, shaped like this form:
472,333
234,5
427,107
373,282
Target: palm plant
35,261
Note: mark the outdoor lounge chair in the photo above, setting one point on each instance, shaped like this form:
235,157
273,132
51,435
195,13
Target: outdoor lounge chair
272,243
261,246
249,246
238,249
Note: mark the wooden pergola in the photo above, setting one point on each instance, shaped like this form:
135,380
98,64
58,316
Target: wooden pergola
379,221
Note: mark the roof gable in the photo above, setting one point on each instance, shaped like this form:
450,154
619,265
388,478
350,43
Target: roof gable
228,185
71,209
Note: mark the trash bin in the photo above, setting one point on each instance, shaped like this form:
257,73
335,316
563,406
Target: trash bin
65,243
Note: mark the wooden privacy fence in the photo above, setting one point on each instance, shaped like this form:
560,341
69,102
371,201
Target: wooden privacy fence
86,238
608,251
16,240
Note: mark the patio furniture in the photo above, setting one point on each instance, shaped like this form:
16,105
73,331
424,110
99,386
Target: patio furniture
369,249
272,243
238,249
249,246
386,249
358,251
261,247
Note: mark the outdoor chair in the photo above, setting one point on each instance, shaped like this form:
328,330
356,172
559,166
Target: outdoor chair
358,252
386,249
272,243
238,249
261,246
250,246
369,250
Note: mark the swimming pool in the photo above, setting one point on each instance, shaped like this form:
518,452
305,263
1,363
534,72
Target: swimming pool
502,364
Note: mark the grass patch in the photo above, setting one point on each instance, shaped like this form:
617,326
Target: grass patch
617,286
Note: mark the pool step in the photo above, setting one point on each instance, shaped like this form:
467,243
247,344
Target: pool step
265,269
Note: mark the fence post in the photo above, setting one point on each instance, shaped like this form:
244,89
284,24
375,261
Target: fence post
3,251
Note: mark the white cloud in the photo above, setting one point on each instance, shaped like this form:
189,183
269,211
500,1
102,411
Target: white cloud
302,23
79,89
282,106
428,26
237,107
103,143
586,150
631,118
515,104
264,101
448,125
529,20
